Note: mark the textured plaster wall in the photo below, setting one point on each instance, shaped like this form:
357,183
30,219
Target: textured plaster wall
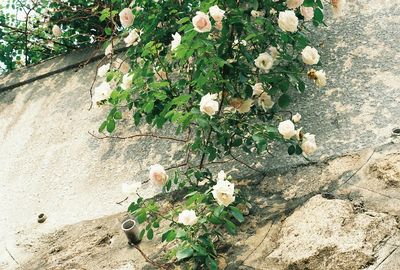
49,162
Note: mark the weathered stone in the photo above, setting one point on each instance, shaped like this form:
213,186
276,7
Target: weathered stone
328,234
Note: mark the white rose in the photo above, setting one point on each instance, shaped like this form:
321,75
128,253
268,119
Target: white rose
274,52
293,4
132,39
209,105
309,145
258,89
223,192
296,118
126,82
187,217
240,105
265,101
130,188
109,50
264,62
201,22
177,38
126,17
218,25
158,175
221,176
320,78
245,106
57,32
288,21
122,65
307,12
256,13
102,71
286,129
101,93
216,13
310,56
273,11
299,134
338,6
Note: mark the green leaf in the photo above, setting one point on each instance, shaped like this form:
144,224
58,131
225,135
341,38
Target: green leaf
102,126
214,220
184,253
156,224
150,234
217,211
284,100
108,31
230,227
141,217
308,3
111,126
183,20
237,142
182,99
200,250
301,86
299,151
169,235
318,15
133,207
237,214
291,150
149,106
211,263
117,115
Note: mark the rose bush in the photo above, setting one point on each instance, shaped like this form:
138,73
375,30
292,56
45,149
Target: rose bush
223,74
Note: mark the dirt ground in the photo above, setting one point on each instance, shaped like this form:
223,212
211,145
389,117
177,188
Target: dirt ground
341,213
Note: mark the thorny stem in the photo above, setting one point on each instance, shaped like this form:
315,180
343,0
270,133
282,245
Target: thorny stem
137,136
245,164
160,266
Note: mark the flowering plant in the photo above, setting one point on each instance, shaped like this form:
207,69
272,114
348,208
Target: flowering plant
220,72
223,73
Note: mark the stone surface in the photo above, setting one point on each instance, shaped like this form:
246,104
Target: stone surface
329,234
307,231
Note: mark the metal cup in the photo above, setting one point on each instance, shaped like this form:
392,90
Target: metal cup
131,231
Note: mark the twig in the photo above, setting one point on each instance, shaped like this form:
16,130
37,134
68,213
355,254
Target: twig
120,202
9,253
148,259
177,166
36,36
137,136
353,174
245,164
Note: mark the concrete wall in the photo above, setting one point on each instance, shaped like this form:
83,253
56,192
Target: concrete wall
49,162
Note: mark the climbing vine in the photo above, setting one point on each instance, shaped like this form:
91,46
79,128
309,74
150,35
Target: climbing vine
221,72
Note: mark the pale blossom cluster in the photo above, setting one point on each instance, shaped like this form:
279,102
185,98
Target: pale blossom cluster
202,23
101,93
288,130
187,217
319,77
209,104
56,30
158,175
223,191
